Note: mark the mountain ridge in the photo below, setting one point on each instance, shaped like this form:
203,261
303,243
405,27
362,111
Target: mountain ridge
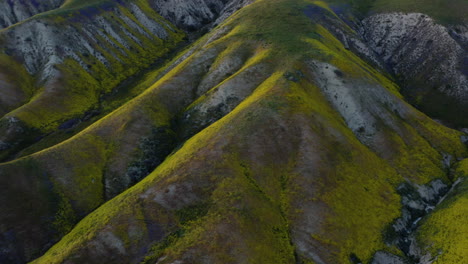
293,136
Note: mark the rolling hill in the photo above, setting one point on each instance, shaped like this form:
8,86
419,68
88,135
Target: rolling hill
233,131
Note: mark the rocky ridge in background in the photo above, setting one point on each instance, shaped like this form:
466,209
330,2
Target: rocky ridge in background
12,12
430,60
96,44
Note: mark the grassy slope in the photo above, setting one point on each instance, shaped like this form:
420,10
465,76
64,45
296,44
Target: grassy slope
445,233
243,187
76,3
82,88
79,90
45,115
355,186
21,84
77,169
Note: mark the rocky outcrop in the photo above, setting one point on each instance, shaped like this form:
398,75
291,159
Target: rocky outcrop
41,44
418,201
147,139
231,7
428,59
190,15
12,12
195,14
342,29
95,48
98,43
382,257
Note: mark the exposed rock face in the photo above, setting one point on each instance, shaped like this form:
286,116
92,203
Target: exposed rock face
92,44
342,30
191,14
382,257
418,202
231,7
107,39
429,59
43,43
350,98
12,11
100,41
194,14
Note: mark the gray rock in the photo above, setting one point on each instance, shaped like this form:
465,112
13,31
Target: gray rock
417,202
429,58
464,139
382,257
12,12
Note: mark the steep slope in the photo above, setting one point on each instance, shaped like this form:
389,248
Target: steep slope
299,148
27,233
12,12
448,224
429,59
423,44
84,51
446,12
78,55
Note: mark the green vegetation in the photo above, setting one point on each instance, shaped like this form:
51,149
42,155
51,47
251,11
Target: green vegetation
81,88
282,27
282,162
192,212
15,75
357,184
65,219
90,86
445,233
157,250
187,217
462,169
79,3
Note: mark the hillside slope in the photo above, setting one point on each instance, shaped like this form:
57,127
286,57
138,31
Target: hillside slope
12,12
280,136
81,53
428,59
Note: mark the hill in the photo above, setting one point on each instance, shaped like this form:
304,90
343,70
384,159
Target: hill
282,135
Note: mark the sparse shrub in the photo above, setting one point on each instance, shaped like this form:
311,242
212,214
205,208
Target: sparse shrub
153,150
